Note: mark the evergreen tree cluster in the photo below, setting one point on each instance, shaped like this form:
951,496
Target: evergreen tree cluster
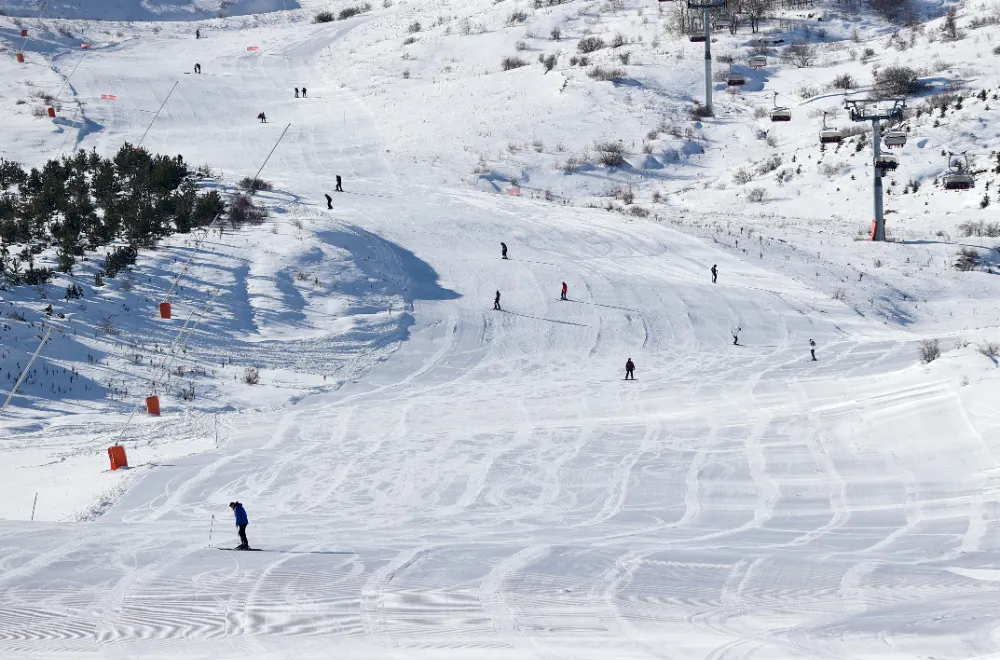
84,202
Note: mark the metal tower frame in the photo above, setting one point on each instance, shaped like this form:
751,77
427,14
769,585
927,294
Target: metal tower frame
868,110
707,7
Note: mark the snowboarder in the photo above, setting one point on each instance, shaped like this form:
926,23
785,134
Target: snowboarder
197,68
812,349
303,92
339,188
296,92
329,200
736,336
715,273
496,302
197,34
262,117
503,250
629,369
241,524
565,290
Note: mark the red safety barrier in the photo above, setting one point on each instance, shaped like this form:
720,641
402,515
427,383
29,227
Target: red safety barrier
20,58
117,456
153,405
52,112
164,310
24,32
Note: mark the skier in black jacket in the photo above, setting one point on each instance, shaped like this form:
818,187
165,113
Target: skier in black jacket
629,369
496,302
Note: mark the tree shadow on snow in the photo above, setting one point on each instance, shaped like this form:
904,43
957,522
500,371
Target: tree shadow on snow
380,259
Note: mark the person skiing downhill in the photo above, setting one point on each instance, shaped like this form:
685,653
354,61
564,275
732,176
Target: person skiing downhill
715,273
736,336
296,92
338,188
197,68
241,524
503,250
812,349
496,302
565,289
197,34
329,200
262,117
303,92
629,369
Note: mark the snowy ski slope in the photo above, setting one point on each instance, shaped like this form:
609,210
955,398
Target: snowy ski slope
481,484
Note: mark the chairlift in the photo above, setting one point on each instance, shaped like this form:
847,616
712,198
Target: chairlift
886,163
736,79
780,114
829,134
758,62
722,24
895,139
697,38
958,178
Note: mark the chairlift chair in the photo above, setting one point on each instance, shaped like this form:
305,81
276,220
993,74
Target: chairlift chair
697,38
736,80
958,178
722,24
829,134
780,114
886,162
758,62
895,139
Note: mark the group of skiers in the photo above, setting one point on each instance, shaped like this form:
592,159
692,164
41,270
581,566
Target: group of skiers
297,92
629,365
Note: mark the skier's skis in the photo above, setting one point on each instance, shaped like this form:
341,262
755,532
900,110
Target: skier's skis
239,549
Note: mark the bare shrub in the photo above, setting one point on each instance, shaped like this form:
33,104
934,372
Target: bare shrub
414,27
801,55
624,57
612,75
610,153
590,44
743,176
699,111
252,185
556,34
897,81
251,375
980,228
760,112
409,40
967,259
770,164
930,350
508,63
242,211
520,45
517,17
844,81
756,195
548,61
990,349
323,17
618,40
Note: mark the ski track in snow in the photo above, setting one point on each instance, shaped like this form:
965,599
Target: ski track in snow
491,488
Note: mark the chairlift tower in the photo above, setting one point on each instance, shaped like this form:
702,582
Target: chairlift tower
708,7
870,110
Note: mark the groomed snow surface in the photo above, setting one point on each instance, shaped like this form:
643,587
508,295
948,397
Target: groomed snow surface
428,478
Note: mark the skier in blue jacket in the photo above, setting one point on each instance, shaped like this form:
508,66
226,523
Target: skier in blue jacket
241,524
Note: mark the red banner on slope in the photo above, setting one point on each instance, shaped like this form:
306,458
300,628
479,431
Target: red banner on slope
108,97
253,47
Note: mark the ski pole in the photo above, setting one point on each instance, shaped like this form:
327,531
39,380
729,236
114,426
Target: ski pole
210,528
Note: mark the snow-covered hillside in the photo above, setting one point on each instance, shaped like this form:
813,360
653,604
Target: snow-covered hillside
428,477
